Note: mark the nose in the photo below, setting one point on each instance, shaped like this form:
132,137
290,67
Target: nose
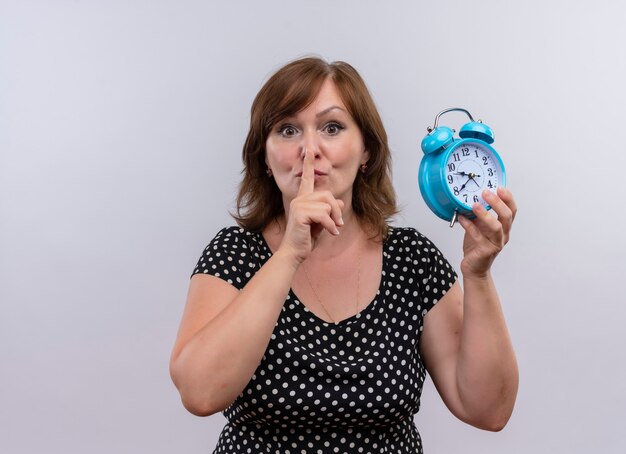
310,142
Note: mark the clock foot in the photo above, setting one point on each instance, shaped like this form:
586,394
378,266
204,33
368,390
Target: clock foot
454,217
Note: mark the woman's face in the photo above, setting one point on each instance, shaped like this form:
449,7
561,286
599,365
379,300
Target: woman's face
326,129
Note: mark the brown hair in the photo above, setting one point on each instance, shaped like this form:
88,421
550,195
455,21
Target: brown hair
288,91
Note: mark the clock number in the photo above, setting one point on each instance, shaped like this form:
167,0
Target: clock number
465,151
476,199
456,157
455,190
451,167
465,197
490,185
450,179
485,160
490,172
476,151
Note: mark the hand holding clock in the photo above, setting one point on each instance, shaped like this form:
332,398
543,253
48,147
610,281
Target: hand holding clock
486,235
447,160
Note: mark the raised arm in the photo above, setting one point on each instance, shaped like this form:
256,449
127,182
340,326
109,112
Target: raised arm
224,332
465,343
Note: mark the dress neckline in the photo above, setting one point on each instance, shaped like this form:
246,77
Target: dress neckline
353,318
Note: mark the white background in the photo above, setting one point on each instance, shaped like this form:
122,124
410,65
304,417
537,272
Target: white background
121,127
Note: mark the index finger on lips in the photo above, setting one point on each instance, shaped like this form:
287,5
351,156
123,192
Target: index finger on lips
307,181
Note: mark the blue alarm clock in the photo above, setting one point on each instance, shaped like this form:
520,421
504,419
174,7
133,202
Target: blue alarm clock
455,171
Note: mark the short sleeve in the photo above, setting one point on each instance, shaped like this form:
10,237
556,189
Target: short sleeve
434,274
227,257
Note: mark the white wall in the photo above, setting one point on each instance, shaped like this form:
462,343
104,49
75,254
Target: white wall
121,125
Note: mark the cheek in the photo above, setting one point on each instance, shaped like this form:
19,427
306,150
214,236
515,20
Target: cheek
278,160
347,154
276,155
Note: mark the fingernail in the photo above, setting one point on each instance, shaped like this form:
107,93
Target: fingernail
341,221
336,232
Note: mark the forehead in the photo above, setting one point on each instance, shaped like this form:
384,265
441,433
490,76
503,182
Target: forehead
327,96
305,99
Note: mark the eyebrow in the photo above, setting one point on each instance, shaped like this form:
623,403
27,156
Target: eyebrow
325,111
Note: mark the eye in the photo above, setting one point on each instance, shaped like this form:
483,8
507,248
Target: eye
287,131
333,128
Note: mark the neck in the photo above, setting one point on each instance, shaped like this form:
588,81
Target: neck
329,246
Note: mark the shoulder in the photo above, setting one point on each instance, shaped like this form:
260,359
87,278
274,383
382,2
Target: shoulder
431,271
410,239
241,244
234,254
236,244
409,242
233,238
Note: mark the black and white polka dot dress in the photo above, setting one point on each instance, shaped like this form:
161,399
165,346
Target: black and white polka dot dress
351,387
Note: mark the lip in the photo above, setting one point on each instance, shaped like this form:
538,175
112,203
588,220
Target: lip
316,172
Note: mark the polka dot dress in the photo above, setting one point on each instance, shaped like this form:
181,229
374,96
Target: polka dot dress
351,387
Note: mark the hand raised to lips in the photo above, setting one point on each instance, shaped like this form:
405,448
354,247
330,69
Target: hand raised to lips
307,183
312,212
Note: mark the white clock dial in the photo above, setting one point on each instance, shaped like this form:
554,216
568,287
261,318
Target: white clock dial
471,168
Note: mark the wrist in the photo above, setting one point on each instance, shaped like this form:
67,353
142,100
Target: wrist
478,278
287,258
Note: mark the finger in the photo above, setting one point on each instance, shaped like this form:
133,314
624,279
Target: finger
329,224
331,209
470,228
479,252
307,181
336,205
505,215
320,214
506,195
338,212
488,225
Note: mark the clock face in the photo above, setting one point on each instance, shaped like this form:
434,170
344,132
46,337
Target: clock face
471,168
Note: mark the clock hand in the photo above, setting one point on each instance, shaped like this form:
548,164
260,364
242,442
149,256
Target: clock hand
465,174
464,184
472,176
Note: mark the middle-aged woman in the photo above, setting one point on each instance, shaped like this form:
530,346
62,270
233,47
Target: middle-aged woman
311,323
